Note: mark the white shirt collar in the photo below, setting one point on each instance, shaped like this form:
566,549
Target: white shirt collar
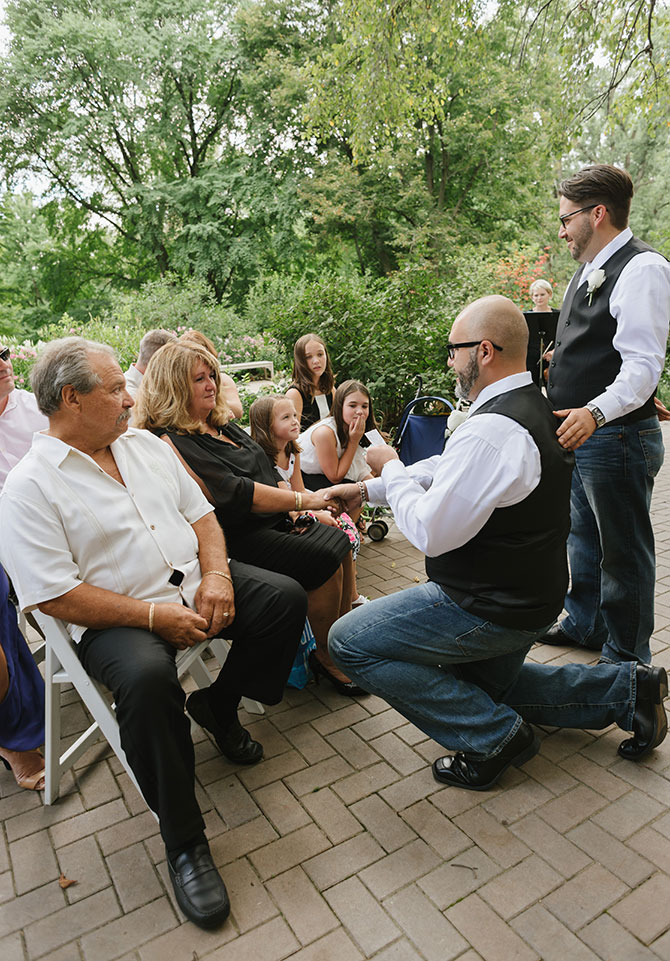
502,386
55,450
608,250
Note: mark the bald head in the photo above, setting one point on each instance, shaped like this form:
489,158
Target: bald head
497,319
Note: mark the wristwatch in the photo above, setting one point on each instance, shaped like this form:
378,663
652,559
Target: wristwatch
597,415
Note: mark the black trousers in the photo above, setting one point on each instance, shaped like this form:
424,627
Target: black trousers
139,669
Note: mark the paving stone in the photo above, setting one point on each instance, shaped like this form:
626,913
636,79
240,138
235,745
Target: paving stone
408,790
595,776
295,848
519,887
187,942
262,730
492,837
436,829
612,854
134,876
565,742
127,832
400,950
487,933
398,754
319,775
299,715
642,777
302,905
239,841
39,818
572,808
380,724
365,920
33,861
343,860
628,814
332,816
550,775
339,720
129,931
250,904
639,911
382,822
281,808
585,896
352,747
551,939
311,745
452,882
560,853
515,803
97,785
434,936
11,948
653,846
661,947
71,922
83,863
365,782
609,940
399,868
271,941
336,946
30,907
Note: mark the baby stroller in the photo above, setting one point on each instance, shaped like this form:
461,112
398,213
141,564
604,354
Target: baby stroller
422,432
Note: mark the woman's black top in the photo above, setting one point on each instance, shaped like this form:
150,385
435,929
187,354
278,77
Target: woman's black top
310,409
229,473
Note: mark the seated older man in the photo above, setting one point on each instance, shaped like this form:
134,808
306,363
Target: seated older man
103,528
152,341
19,417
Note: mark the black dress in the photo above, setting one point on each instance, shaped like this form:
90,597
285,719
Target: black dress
268,541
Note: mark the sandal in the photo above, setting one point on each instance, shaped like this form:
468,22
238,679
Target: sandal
31,782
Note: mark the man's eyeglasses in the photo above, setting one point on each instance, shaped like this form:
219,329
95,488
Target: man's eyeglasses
573,213
4,353
452,348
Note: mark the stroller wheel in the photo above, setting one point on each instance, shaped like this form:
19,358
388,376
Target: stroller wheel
377,531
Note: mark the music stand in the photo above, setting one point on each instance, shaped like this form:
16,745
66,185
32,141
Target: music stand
541,336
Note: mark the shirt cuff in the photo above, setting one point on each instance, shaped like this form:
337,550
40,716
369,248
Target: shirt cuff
376,489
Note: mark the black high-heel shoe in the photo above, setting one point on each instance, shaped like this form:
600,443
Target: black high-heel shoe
348,688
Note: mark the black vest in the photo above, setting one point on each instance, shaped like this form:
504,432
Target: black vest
584,361
514,571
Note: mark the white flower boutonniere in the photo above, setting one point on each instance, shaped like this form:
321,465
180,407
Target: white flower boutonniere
594,280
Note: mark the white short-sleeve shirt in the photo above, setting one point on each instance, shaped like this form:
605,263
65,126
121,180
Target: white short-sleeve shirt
65,522
18,422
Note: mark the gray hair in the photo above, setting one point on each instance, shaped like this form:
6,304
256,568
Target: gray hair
62,362
150,343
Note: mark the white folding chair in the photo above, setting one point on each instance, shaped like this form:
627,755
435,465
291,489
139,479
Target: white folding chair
62,666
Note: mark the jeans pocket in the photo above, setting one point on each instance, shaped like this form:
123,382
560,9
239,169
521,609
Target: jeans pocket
651,442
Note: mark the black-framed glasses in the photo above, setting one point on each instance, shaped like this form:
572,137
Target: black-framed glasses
573,213
452,348
4,353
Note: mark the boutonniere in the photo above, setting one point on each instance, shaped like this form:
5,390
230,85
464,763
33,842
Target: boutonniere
594,280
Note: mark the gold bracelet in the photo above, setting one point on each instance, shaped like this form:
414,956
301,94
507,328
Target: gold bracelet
152,607
219,574
298,500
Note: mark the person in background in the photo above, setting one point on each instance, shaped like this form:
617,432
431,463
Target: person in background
228,386
313,380
19,417
150,343
541,293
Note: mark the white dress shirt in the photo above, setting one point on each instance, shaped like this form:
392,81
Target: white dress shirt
65,522
133,380
18,422
491,461
640,304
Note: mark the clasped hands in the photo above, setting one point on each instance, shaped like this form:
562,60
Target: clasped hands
214,610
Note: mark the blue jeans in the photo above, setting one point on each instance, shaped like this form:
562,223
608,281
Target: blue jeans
462,680
610,603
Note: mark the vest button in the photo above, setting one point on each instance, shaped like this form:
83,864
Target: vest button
558,343
551,383
567,323
553,363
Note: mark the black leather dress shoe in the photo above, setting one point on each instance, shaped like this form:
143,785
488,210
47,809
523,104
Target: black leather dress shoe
650,723
555,637
462,770
200,892
233,741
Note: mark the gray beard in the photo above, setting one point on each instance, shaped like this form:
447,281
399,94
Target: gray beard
467,379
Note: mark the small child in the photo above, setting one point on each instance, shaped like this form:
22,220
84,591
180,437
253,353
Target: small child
313,380
275,427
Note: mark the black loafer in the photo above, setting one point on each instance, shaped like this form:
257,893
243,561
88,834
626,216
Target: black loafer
650,723
462,770
200,892
233,741
556,637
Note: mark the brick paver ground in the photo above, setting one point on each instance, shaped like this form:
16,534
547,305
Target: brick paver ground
340,846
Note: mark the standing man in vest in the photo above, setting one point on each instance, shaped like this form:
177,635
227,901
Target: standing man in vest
492,515
610,351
